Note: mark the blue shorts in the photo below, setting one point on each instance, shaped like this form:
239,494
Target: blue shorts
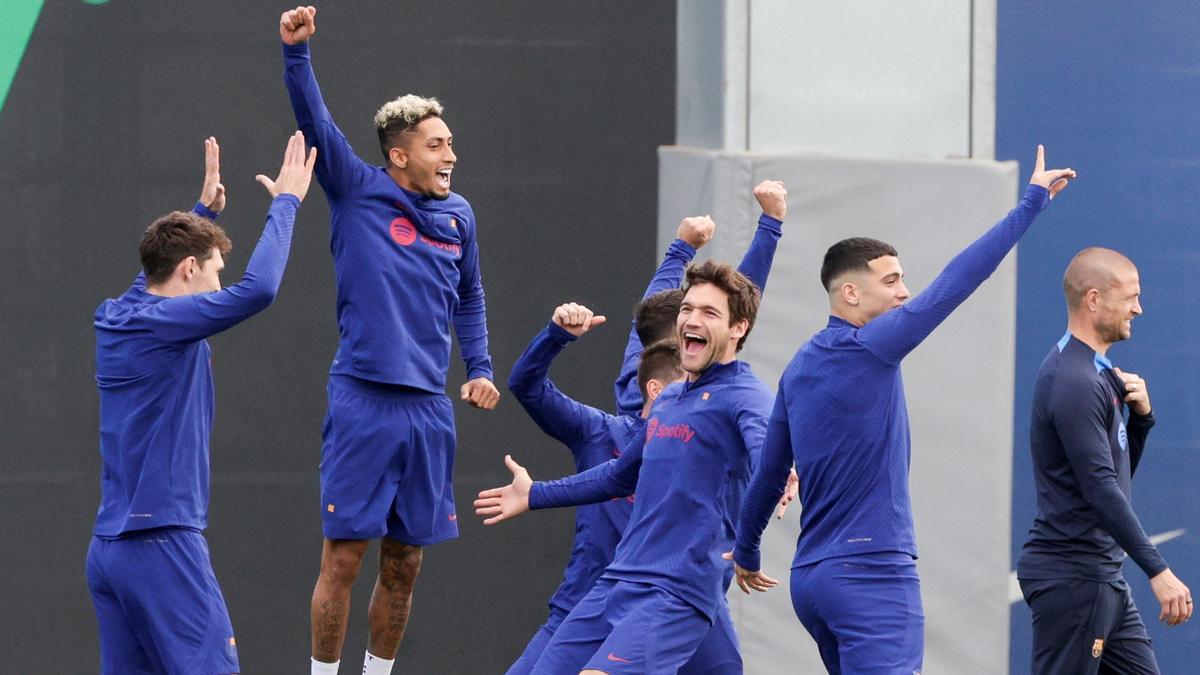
718,653
1086,627
625,627
864,612
533,650
387,459
159,606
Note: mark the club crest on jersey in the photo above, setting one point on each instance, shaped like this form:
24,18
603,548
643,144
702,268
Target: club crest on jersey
1097,648
1123,437
453,223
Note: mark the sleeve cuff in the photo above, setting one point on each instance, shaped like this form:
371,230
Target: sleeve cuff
770,223
559,334
287,198
204,212
536,500
295,51
1038,195
748,560
682,249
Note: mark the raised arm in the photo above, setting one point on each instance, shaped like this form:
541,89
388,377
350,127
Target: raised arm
192,317
894,334
470,326
693,233
338,169
558,415
756,264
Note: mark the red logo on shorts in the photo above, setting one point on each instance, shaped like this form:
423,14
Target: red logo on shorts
403,232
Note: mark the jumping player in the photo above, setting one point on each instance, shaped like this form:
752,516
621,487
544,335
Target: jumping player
406,261
158,603
840,415
1084,458
665,586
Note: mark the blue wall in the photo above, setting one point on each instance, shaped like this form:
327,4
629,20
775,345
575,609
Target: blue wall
1114,92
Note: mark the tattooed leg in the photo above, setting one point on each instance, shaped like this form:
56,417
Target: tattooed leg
340,562
391,601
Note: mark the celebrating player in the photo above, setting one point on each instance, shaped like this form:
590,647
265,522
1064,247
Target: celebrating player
1084,458
665,587
840,415
406,262
157,601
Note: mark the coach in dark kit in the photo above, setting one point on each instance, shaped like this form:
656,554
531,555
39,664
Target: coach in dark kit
1085,451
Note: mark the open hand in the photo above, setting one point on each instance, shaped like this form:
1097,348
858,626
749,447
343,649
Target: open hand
747,580
1054,180
296,173
298,25
212,193
506,502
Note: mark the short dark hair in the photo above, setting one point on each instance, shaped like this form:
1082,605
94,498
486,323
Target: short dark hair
744,296
852,255
660,361
654,317
175,236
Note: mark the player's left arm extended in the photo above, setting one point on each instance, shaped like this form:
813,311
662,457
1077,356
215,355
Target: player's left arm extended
614,478
1083,430
756,264
894,334
470,319
766,486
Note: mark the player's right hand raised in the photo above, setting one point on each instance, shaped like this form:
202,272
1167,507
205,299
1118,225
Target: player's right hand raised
1054,180
509,501
298,25
772,198
296,173
695,231
575,318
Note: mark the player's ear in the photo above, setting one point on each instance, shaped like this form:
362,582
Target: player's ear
186,268
738,330
398,157
654,387
849,292
1091,299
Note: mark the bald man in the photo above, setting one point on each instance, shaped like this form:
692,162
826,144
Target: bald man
1086,446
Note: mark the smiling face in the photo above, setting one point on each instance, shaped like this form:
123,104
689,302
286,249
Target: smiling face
704,330
1118,305
424,159
882,288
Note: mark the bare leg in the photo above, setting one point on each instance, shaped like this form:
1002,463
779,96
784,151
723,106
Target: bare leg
391,601
340,561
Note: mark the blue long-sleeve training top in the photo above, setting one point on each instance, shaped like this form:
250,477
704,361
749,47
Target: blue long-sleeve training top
593,437
1084,457
841,417
756,265
154,372
689,471
405,265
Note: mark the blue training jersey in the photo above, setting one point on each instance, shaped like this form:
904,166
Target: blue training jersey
594,437
689,471
154,373
1084,458
841,417
406,265
756,265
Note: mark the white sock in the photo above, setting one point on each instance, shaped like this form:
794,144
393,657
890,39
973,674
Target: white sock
373,665
322,668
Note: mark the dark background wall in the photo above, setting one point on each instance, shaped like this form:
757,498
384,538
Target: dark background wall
1112,92
556,109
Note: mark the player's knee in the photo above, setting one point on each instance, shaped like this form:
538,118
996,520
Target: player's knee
399,564
340,564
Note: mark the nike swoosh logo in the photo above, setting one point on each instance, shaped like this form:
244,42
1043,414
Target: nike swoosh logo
1014,586
614,657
